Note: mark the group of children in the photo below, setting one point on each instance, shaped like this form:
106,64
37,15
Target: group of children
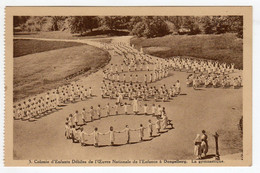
130,91
149,77
74,130
133,57
38,106
214,80
201,66
135,61
70,93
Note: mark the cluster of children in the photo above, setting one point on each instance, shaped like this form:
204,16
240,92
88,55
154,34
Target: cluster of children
75,132
130,91
70,93
213,80
133,57
150,77
135,60
200,66
38,106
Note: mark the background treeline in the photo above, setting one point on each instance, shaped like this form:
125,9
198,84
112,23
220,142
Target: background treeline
140,26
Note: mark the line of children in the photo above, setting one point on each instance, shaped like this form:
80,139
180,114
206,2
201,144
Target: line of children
130,91
213,80
150,77
133,57
40,105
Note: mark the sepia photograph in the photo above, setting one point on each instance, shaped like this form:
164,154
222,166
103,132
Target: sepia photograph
126,86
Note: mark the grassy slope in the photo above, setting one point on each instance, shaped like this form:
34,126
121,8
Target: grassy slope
224,48
68,35
36,73
25,47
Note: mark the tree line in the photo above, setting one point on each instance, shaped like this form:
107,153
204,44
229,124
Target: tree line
141,26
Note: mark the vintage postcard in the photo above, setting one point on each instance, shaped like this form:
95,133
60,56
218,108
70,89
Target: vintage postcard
128,86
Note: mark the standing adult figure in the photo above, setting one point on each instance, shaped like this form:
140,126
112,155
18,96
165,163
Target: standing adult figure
197,147
204,143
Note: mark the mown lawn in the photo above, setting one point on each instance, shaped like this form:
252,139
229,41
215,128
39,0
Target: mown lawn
224,48
37,73
24,47
97,33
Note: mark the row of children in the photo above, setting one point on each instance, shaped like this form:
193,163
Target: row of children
201,66
150,77
213,80
130,91
116,68
70,93
34,108
177,63
135,60
85,116
38,106
77,134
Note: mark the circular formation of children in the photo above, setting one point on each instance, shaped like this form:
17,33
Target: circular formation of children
75,122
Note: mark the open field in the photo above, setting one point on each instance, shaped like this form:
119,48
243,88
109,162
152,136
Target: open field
37,73
212,109
224,48
24,47
67,35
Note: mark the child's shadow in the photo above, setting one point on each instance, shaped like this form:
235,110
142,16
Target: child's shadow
208,156
100,146
199,89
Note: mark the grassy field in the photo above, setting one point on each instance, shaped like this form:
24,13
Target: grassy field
224,48
37,73
24,47
68,35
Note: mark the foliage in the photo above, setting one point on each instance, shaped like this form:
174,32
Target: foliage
114,22
141,26
150,27
80,24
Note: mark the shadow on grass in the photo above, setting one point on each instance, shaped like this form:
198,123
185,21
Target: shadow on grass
25,33
104,32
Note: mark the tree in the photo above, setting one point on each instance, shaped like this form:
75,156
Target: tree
150,27
57,22
192,24
221,24
236,25
133,21
19,20
80,24
177,21
114,22
35,23
208,25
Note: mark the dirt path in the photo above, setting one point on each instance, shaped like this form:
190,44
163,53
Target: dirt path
209,109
